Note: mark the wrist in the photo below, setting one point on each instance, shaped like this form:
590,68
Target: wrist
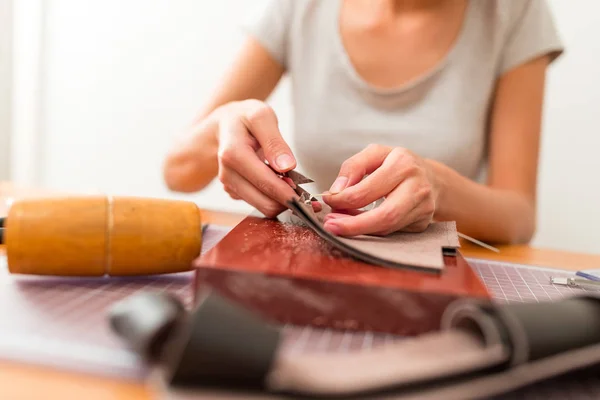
438,175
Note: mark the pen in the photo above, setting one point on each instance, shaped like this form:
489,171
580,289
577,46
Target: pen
591,274
575,282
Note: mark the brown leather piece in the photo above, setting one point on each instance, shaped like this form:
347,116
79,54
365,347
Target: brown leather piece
423,250
290,275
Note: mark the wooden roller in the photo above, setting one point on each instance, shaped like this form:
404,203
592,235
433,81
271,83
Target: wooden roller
101,235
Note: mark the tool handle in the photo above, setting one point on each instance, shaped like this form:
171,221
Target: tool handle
101,235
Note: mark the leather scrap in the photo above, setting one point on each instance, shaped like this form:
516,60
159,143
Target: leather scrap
422,251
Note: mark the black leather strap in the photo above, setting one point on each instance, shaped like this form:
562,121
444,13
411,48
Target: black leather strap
218,342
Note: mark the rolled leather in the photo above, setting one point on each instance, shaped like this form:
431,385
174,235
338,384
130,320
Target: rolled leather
535,330
483,349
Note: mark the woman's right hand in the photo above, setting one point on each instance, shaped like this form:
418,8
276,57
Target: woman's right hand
248,134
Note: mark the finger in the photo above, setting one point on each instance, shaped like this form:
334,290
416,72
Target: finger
262,122
418,226
317,207
396,167
247,192
234,133
356,167
234,194
342,214
289,181
244,161
388,217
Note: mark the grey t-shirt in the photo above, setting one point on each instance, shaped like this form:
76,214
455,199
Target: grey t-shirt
440,115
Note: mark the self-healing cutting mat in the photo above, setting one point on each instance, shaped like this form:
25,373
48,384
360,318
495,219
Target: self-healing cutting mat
62,322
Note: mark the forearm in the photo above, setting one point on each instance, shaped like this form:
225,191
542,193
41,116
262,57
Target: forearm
192,163
488,214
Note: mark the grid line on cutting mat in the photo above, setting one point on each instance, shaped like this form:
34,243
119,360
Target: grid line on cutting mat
62,321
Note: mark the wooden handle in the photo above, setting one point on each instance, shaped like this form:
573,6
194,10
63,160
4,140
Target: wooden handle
101,235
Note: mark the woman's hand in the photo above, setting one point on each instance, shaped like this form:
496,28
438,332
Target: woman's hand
247,135
406,181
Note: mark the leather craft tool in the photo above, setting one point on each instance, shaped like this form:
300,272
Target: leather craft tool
101,235
481,350
575,282
297,179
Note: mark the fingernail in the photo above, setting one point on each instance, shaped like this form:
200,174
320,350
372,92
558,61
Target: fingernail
339,185
284,161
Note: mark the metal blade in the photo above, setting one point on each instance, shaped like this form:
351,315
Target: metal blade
298,178
304,195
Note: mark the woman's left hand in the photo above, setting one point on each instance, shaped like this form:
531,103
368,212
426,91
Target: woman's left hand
406,181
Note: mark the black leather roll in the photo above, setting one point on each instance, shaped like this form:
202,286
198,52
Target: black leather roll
221,342
532,330
556,327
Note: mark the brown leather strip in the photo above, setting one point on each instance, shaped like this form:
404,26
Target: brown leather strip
423,251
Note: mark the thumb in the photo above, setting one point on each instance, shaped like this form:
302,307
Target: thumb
262,123
354,169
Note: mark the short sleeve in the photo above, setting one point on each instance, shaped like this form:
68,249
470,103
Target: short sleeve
531,34
269,24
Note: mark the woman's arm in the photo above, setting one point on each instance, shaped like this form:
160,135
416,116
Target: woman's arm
192,163
418,191
504,210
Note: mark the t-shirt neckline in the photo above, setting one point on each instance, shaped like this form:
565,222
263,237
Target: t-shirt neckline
363,84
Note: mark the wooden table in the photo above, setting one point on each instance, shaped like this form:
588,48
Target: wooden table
20,381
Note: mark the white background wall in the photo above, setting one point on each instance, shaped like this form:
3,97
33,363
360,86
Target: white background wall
5,85
118,79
